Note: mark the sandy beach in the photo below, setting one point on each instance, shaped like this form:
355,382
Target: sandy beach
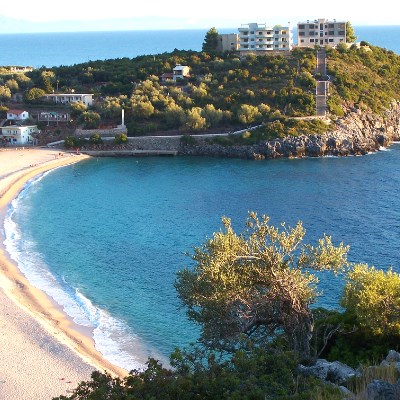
42,352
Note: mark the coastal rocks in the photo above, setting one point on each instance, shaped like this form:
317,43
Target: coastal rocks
335,372
358,133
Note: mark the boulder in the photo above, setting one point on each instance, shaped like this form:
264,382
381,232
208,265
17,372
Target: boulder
381,390
335,371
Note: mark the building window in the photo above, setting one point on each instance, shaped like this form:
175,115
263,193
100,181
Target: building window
330,40
276,32
302,41
311,40
341,33
331,26
331,33
251,32
301,27
301,33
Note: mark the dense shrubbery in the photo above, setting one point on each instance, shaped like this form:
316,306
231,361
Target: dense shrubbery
367,77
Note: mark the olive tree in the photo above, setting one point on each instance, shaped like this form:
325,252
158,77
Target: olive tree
373,295
257,283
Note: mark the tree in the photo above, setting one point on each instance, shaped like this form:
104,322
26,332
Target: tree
373,296
194,120
90,119
350,34
143,109
5,93
13,85
212,115
210,41
256,283
247,114
34,95
77,108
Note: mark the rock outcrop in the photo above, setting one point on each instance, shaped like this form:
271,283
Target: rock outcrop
335,372
356,134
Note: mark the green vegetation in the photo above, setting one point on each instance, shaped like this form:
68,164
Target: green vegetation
257,283
225,92
210,41
350,34
367,78
251,293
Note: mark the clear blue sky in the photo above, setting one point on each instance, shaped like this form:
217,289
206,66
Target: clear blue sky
76,15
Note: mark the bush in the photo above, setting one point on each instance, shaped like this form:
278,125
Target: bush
121,138
96,139
72,142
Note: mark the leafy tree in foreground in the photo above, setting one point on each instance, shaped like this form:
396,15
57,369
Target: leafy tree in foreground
256,283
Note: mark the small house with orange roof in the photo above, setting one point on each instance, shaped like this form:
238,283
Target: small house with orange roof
17,115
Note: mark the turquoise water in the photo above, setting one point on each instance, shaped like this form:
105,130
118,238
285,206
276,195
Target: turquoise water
54,49
105,237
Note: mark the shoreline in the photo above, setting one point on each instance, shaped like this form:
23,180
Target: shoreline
51,325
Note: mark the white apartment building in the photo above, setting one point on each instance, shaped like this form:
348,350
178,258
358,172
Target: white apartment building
18,135
255,37
321,32
66,98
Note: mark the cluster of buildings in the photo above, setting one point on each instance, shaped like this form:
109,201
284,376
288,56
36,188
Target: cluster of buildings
261,38
18,130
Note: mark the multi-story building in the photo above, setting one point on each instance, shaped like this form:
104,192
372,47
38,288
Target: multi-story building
255,38
17,135
321,32
228,42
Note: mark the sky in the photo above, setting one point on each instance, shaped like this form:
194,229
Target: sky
79,15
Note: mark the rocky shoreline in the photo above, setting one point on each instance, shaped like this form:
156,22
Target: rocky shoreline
357,133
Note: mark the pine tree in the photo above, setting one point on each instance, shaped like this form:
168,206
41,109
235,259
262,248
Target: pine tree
210,41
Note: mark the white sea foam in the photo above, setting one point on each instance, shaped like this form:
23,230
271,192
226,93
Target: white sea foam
113,337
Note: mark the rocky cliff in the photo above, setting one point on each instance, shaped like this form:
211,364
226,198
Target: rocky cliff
355,134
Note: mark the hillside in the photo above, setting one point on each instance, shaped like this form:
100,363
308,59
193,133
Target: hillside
223,93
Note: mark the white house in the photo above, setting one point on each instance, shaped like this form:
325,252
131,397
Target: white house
17,115
19,135
67,98
181,72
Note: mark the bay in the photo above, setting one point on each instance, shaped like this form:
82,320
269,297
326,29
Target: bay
106,237
111,233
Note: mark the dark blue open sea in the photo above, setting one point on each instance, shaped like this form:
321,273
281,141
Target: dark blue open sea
105,237
54,49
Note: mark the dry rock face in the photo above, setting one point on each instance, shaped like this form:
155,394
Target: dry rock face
357,133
